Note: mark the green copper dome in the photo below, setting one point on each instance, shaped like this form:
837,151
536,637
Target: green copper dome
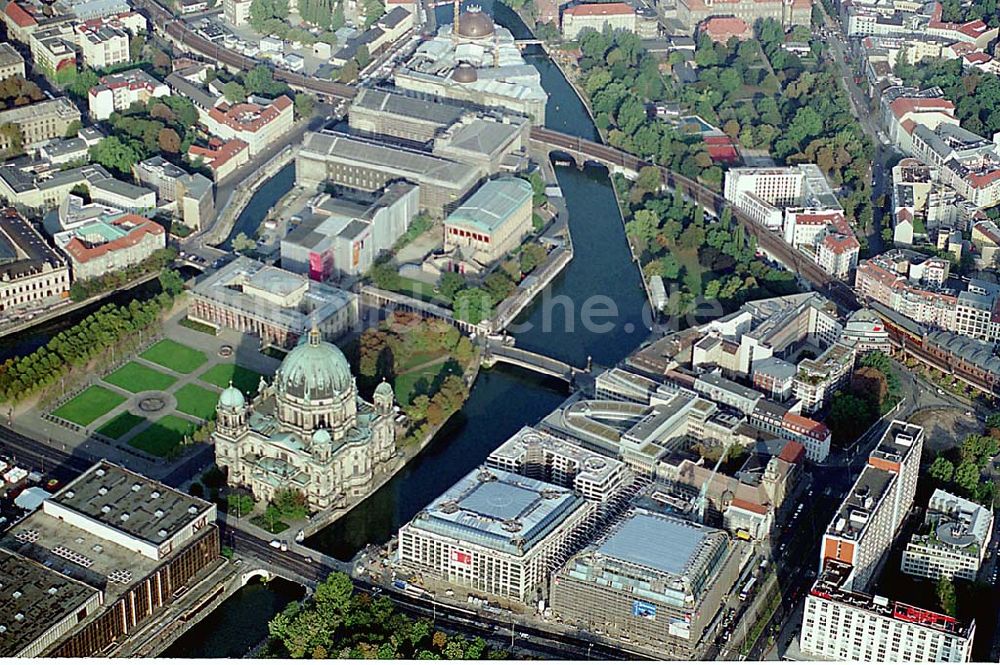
232,397
314,370
383,389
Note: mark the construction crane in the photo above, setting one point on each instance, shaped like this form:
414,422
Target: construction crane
701,502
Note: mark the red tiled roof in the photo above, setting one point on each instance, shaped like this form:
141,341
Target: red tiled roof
818,218
725,26
749,506
249,117
976,58
793,452
904,105
984,179
18,14
217,154
600,9
840,244
813,428
81,253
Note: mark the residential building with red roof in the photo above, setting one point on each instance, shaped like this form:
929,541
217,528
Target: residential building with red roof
103,246
723,28
117,92
906,113
257,125
222,157
19,21
597,16
887,279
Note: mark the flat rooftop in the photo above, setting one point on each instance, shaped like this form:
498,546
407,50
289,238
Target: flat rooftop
391,103
855,511
130,503
829,585
530,444
23,251
499,510
33,599
492,204
897,441
683,544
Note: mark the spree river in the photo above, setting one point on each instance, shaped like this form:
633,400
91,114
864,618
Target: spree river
601,276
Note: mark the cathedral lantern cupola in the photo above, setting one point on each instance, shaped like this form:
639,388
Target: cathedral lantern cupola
232,412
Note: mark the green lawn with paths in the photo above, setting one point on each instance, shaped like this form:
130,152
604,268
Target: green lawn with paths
89,405
120,425
136,378
176,356
164,436
196,401
245,379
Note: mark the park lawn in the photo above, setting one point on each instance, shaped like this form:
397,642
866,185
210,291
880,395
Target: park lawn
120,425
688,258
173,355
406,384
196,401
136,378
164,436
245,379
89,405
421,291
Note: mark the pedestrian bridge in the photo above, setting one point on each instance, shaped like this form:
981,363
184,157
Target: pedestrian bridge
497,352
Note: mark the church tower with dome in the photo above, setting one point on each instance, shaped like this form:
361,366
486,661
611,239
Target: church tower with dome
309,430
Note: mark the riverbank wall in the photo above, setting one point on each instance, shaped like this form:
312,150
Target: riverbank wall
242,194
68,308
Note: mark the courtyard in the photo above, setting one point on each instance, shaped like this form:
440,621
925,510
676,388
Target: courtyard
158,400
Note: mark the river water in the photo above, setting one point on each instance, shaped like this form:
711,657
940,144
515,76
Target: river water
502,400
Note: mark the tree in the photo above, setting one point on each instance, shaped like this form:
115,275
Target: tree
243,244
304,105
291,503
450,284
73,129
472,305
112,153
171,282
967,478
499,286
239,504
942,470
234,92
349,72
947,598
169,141
363,56
135,47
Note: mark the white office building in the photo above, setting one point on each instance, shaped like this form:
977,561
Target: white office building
954,539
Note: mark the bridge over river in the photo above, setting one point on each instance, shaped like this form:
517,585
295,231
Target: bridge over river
504,351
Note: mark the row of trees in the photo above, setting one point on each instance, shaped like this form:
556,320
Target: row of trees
156,262
337,622
620,78
16,91
88,343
